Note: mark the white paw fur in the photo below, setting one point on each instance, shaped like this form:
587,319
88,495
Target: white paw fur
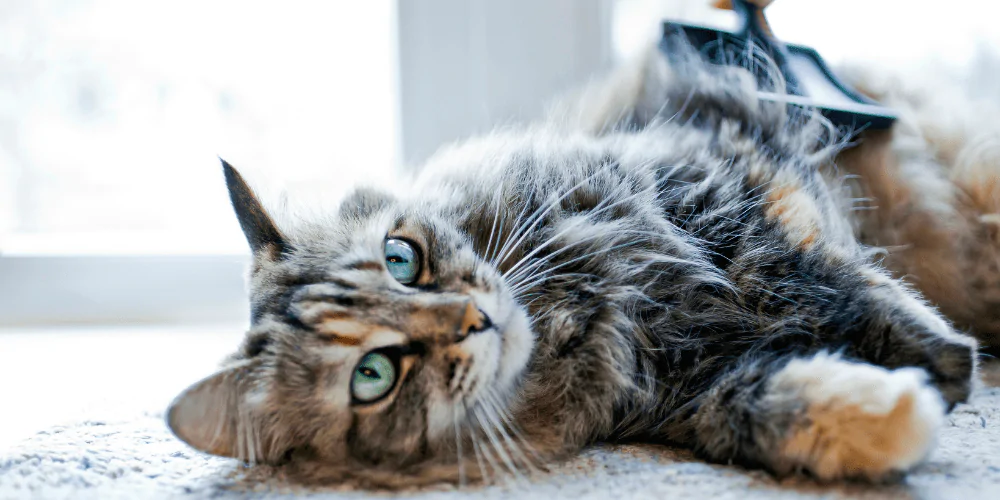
861,421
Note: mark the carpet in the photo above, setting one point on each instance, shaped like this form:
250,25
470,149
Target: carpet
138,458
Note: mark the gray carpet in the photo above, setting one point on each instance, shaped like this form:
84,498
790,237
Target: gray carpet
138,458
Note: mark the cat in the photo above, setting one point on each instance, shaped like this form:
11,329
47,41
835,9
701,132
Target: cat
664,259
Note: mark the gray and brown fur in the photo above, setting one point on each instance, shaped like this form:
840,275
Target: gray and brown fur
667,260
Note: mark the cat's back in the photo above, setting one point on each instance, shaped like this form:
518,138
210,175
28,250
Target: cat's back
542,158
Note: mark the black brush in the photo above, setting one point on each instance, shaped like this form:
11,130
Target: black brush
809,82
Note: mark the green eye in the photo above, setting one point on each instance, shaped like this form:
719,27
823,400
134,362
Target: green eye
401,259
373,378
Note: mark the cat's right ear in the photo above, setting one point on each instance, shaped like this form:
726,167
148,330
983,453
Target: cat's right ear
258,227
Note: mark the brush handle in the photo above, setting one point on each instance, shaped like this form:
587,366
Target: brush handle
754,22
757,29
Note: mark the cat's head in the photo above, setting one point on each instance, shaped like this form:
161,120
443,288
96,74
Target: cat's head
377,339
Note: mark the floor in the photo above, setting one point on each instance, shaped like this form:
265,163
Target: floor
82,419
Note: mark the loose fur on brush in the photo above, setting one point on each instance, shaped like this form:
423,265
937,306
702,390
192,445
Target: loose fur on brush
666,260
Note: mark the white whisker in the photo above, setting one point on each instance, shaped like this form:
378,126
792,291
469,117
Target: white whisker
495,442
597,211
479,458
547,208
502,421
458,449
496,215
491,460
518,227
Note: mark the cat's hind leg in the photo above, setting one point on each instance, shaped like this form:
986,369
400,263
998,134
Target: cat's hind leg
824,415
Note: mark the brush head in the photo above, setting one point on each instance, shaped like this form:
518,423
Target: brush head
807,80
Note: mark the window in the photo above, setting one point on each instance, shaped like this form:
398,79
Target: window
115,110
112,112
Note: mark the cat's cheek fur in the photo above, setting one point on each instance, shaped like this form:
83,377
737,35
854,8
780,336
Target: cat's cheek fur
859,420
511,343
517,344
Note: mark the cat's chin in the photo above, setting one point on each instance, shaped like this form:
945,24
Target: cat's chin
503,355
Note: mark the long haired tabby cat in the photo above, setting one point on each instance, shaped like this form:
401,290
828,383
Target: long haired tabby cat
668,260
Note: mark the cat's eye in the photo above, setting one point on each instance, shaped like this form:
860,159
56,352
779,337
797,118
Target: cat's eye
373,378
402,261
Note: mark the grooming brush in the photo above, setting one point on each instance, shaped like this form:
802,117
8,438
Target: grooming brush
809,82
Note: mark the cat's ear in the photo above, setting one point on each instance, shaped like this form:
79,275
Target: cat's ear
258,227
221,416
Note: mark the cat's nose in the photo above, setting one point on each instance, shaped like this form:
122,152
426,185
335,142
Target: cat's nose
474,320
443,318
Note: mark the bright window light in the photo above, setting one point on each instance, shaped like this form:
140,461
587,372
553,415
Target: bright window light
112,113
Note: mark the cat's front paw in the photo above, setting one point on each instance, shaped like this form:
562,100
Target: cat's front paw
860,420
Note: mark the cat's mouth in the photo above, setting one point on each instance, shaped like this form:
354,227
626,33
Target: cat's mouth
476,371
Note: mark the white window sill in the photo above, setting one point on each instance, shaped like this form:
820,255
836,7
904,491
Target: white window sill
115,289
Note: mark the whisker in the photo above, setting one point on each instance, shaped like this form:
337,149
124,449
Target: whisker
592,237
479,459
659,258
491,460
548,208
496,215
505,421
479,451
597,211
519,226
496,249
494,419
495,443
519,276
587,256
543,276
458,446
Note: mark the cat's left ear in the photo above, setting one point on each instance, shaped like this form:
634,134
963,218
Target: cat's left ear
221,415
258,227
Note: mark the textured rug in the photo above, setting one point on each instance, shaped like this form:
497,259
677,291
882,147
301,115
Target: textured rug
139,458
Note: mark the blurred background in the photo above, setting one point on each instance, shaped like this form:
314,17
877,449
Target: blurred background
113,213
